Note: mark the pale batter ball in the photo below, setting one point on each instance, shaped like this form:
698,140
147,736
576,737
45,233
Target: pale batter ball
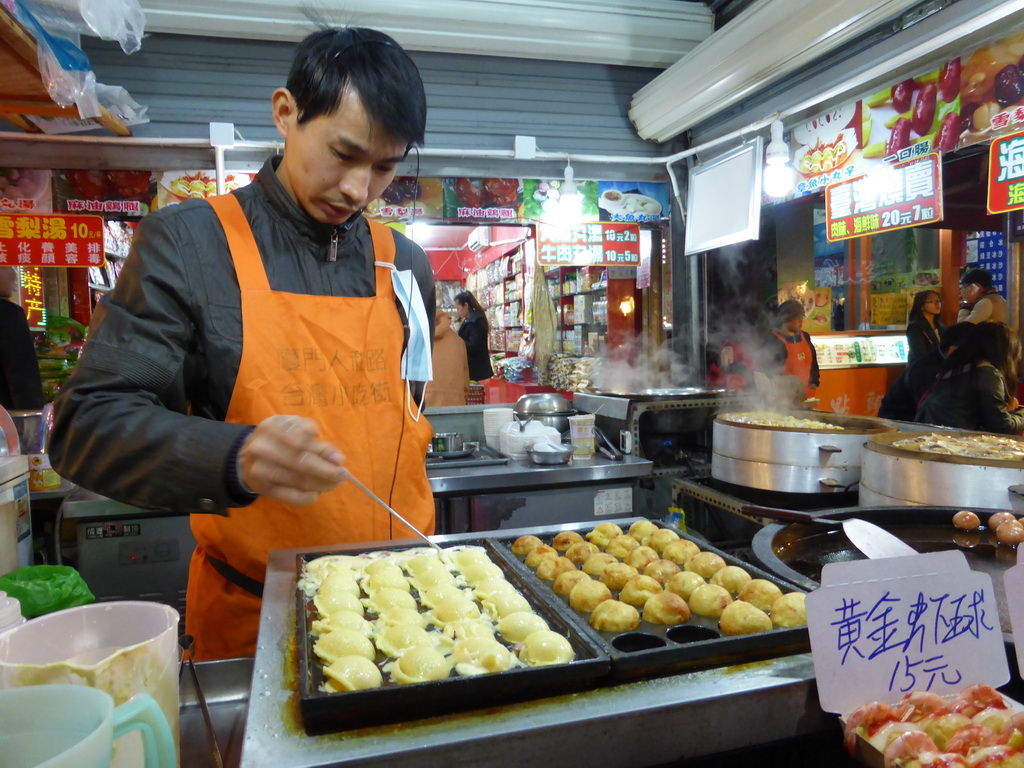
666,608
524,544
789,610
760,593
709,600
432,597
640,557
464,629
394,641
504,603
662,570
343,642
732,577
638,590
480,656
491,587
741,618
620,546
660,539
343,620
615,616
420,665
616,574
454,608
539,554
388,567
683,584
587,595
394,616
549,570
337,600
424,564
479,572
595,564
565,539
543,648
564,582
516,627
579,553
386,579
352,673
680,550
604,533
339,581
705,563
641,529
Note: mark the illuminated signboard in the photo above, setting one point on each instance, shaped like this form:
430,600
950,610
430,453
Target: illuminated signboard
594,244
1006,174
51,240
902,195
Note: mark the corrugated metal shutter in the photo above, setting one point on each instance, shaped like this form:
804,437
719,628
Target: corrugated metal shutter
475,102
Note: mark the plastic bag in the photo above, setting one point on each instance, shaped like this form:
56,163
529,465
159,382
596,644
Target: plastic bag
44,589
120,20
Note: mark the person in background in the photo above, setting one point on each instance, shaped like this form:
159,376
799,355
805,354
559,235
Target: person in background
973,387
734,368
924,329
475,331
167,407
979,300
905,394
789,347
451,365
21,387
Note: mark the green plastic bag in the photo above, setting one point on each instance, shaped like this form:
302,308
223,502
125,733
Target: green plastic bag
44,589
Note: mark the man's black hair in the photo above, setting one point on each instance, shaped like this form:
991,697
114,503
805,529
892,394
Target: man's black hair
370,63
955,335
977,275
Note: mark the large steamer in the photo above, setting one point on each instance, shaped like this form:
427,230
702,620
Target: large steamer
823,457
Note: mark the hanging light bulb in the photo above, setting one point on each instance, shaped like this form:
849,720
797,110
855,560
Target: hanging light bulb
778,174
568,210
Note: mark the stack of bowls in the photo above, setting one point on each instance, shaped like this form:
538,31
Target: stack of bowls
494,420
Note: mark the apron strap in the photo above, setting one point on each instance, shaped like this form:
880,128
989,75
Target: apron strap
244,252
234,576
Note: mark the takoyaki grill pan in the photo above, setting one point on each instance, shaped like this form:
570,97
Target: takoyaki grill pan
324,712
799,550
655,649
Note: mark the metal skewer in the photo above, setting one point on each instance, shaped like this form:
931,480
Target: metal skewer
358,484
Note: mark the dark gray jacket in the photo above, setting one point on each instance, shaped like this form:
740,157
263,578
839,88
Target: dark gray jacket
970,398
165,345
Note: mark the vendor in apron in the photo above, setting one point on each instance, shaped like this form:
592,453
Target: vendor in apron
791,348
249,406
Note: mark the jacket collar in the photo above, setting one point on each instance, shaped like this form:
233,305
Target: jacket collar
294,214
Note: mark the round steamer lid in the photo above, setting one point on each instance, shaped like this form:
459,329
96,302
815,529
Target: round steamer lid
884,444
851,425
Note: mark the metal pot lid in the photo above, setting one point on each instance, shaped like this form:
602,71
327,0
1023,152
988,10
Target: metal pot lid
847,424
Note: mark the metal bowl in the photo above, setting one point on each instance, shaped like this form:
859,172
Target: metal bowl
542,402
551,457
559,421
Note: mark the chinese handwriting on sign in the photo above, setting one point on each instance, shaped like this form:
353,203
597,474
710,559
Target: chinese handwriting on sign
908,636
1011,169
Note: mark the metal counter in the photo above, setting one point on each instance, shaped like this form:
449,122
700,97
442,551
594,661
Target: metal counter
518,475
636,724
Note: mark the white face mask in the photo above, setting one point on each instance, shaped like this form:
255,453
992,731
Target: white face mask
416,360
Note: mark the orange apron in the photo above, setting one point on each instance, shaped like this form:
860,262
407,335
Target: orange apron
798,359
336,361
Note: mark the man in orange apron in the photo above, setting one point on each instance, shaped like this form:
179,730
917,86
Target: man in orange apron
259,348
794,349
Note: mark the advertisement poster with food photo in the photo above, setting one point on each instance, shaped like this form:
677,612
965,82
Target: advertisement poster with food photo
177,186
820,317
542,199
407,198
482,199
826,148
913,117
26,190
633,201
107,193
992,90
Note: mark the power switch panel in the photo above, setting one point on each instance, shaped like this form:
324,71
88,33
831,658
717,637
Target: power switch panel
155,551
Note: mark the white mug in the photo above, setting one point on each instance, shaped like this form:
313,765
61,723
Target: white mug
74,726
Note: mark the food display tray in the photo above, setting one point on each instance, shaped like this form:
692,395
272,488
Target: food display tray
324,712
655,649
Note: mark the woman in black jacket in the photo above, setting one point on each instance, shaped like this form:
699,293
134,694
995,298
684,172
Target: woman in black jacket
924,329
974,388
475,331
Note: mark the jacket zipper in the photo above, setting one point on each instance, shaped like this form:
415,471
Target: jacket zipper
332,254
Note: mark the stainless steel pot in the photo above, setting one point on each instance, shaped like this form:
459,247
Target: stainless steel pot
559,421
446,442
896,476
542,403
793,460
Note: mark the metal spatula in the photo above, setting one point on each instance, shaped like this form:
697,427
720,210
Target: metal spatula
874,541
358,484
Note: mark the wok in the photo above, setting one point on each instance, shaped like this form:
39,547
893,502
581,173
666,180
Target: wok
797,549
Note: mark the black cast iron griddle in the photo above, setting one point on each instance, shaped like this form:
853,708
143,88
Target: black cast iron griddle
799,550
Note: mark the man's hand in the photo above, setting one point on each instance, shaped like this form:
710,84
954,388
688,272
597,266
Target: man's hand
285,459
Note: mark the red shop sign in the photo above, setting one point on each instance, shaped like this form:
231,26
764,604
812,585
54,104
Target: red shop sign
901,195
1006,173
51,240
594,244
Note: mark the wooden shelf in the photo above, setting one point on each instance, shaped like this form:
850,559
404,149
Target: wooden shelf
22,91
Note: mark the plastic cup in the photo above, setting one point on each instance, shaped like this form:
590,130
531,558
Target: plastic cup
73,726
123,648
581,433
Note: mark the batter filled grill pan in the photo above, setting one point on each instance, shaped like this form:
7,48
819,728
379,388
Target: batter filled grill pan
654,649
324,711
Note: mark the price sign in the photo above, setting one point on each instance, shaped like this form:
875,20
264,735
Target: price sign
51,240
897,196
604,244
888,308
1006,173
